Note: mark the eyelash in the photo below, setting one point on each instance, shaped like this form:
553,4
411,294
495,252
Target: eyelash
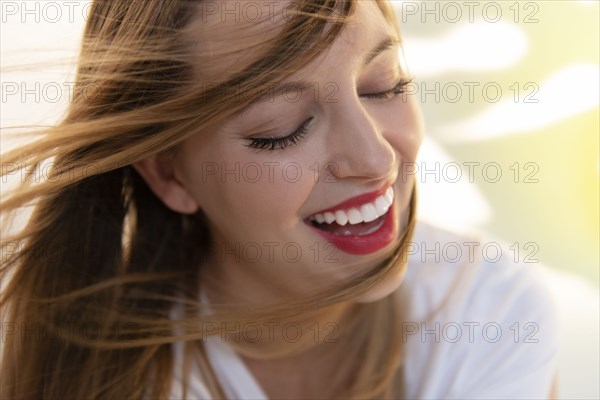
282,142
393,92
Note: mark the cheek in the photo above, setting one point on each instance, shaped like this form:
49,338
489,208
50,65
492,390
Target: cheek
247,193
405,128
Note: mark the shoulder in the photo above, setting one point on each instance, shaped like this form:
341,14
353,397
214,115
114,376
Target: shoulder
479,321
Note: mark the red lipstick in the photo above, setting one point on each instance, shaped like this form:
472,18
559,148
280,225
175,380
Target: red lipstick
364,237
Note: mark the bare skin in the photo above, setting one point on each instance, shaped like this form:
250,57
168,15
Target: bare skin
297,377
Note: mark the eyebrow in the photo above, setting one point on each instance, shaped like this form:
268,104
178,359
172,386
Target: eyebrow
274,91
300,86
383,46
283,88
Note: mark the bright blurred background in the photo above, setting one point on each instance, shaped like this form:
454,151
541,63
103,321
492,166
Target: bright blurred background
515,85
511,85
551,57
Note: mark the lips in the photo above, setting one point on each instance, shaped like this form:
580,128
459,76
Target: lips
361,225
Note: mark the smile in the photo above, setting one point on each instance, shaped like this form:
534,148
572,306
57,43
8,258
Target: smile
361,225
366,213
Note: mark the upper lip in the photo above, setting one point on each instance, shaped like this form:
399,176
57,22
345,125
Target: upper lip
357,201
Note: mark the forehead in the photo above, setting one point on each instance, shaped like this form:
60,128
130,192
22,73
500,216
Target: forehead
228,35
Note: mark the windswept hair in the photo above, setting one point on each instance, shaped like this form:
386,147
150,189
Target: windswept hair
100,249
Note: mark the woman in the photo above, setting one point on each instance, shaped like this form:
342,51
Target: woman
230,214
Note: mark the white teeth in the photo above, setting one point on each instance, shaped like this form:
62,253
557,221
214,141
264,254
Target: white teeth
389,195
354,216
381,205
341,217
368,212
329,217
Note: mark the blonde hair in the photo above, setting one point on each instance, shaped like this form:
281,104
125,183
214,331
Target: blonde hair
124,259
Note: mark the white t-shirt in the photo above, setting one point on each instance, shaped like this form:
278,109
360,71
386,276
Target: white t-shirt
479,326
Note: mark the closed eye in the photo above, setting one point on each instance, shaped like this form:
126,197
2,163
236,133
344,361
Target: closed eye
281,142
398,89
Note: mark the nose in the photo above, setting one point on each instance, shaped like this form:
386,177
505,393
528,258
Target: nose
360,149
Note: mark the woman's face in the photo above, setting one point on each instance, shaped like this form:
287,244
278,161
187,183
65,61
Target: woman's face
349,137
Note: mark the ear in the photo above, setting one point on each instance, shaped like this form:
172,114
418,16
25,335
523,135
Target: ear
158,172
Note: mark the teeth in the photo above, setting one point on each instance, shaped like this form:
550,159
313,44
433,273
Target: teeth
389,195
329,217
381,205
341,217
354,216
368,212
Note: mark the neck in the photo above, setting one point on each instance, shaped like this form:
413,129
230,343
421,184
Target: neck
316,370
285,337
300,376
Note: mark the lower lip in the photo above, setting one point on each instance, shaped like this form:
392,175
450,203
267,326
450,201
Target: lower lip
365,244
